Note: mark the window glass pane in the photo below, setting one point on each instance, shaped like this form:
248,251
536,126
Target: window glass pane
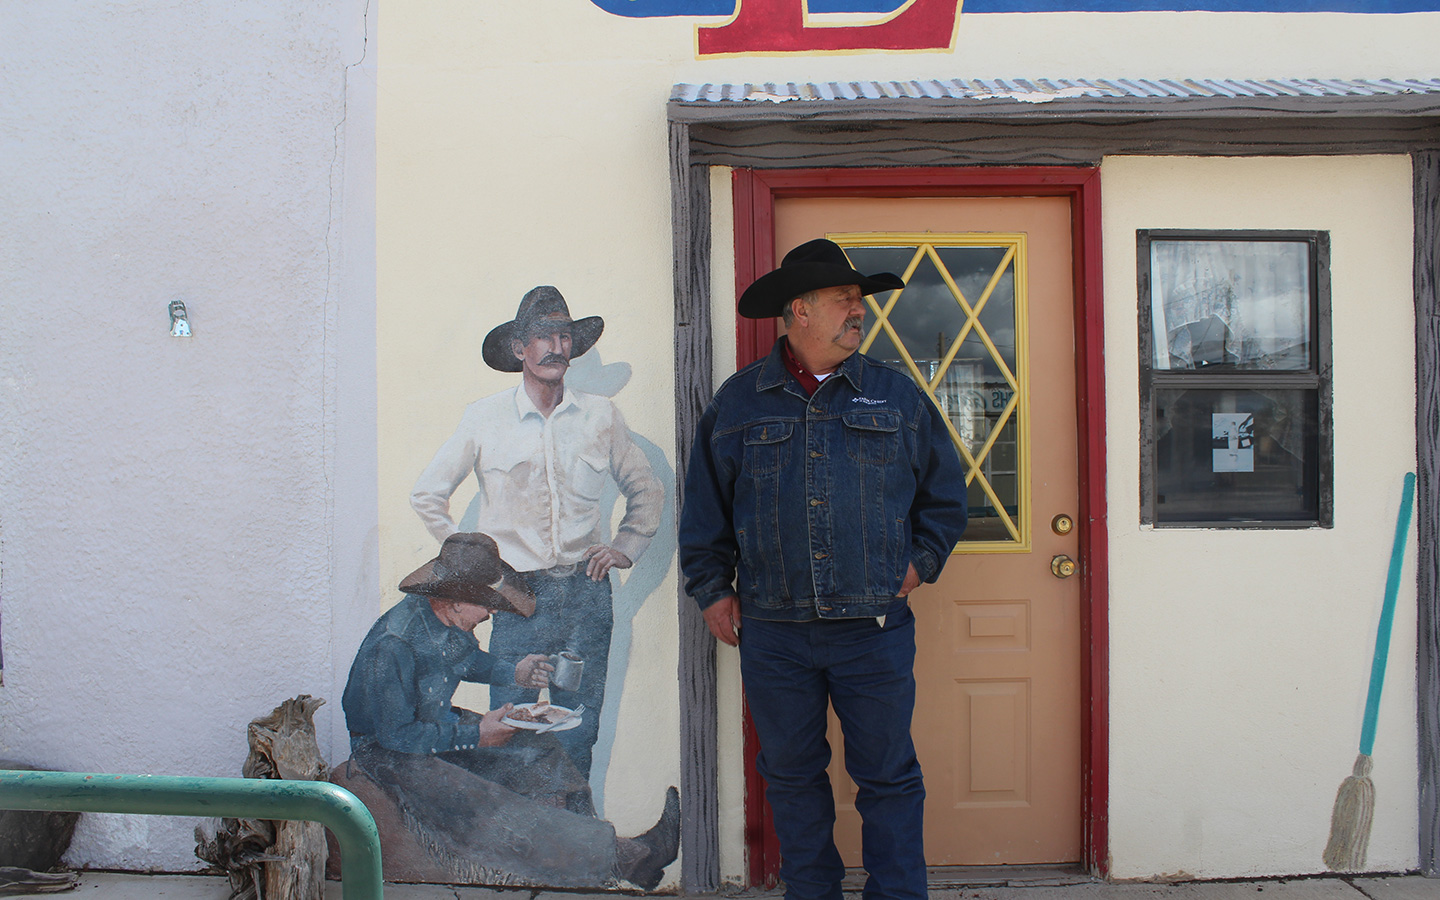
974,391
1236,455
895,259
926,314
1242,304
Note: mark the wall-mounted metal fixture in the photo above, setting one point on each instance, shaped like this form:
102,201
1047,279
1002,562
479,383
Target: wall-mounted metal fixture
179,319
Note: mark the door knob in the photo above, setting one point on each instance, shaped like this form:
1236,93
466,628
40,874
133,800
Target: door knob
1062,524
1062,566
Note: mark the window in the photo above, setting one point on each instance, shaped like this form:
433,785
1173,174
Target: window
954,328
1235,423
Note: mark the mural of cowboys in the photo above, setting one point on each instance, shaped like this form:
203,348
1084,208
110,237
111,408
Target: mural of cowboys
540,454
486,802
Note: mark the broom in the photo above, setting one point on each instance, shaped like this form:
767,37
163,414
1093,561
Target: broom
1355,801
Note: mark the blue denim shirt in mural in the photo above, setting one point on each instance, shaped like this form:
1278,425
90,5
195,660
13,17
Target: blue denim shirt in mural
812,507
404,675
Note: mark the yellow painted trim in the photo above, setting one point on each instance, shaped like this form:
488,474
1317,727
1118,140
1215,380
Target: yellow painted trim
1015,259
1022,366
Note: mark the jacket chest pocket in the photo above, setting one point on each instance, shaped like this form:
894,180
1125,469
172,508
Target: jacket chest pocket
872,436
767,447
435,691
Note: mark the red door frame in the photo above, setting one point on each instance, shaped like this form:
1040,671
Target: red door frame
755,192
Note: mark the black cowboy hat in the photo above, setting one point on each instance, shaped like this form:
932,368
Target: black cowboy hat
541,305
469,570
812,265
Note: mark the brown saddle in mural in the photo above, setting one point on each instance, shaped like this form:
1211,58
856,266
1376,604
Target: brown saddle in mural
403,855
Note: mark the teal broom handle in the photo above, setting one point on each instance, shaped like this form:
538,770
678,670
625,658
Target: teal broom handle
1387,616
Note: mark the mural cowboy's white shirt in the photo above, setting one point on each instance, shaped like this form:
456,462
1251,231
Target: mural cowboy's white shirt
540,478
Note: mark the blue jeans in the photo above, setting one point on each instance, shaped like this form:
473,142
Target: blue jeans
571,613
791,670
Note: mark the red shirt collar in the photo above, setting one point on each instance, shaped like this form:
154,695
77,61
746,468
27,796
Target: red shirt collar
807,380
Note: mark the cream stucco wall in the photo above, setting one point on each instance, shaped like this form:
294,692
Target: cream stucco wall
731,744
1239,660
502,175
521,144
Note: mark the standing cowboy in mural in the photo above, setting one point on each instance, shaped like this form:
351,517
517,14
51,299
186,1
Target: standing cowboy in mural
485,801
541,454
828,483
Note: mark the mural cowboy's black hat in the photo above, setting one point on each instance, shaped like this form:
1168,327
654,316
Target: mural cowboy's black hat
544,307
812,265
469,570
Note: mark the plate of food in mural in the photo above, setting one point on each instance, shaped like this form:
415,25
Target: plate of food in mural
535,716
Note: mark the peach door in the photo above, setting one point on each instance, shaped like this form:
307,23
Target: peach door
986,321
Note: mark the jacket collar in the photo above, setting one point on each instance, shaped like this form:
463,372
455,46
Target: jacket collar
774,374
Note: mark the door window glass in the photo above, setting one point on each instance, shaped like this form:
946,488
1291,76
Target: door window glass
957,326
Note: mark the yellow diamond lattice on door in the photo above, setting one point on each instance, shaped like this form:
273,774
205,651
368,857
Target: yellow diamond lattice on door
959,327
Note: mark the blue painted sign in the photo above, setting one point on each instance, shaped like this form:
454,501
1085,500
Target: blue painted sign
649,9
719,8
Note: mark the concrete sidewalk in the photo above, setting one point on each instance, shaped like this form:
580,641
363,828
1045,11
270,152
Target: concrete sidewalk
112,886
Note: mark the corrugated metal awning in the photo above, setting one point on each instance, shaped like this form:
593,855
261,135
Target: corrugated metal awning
1050,97
1048,90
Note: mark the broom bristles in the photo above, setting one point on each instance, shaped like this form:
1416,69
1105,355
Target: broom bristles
1350,822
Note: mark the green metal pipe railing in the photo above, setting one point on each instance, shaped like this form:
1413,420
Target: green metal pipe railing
248,798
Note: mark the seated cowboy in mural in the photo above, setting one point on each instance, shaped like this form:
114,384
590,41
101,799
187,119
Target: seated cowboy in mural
541,454
487,802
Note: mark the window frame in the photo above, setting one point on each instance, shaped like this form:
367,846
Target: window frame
1318,377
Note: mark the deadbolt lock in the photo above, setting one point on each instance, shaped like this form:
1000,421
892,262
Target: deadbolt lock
1062,524
1062,566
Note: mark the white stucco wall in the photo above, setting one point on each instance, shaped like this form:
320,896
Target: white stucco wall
525,143
168,506
1239,660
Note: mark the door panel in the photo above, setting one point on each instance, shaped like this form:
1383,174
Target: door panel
998,720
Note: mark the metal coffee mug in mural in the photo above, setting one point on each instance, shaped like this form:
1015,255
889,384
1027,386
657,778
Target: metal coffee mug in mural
569,666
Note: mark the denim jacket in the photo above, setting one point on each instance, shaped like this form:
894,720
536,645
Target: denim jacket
813,507
402,679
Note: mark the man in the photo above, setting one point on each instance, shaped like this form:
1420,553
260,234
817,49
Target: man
822,488
479,796
541,454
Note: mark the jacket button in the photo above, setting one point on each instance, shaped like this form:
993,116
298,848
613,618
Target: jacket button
814,502
820,555
816,454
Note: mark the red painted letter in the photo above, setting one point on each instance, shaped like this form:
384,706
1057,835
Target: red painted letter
778,26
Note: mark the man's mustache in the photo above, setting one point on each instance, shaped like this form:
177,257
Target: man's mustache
857,323
555,359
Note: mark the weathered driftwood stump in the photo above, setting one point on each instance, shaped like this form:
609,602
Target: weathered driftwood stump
14,880
275,860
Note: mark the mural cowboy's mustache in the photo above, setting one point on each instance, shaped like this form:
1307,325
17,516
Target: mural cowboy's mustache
555,359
